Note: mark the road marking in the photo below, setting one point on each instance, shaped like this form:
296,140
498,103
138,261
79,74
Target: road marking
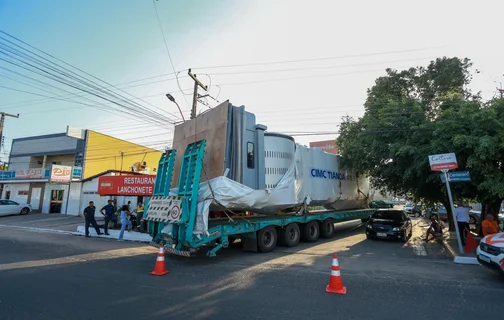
39,229
104,255
418,247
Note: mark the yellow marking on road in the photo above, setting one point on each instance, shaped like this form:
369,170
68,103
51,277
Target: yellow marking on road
87,257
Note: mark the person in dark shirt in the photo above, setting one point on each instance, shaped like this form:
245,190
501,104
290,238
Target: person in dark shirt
89,215
109,213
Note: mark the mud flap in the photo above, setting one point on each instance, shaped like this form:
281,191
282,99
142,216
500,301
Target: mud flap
249,241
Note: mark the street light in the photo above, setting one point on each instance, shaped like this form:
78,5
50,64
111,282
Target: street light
172,99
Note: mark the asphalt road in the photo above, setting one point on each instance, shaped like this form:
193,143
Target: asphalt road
52,276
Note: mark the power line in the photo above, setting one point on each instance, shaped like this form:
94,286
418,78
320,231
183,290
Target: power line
318,59
300,77
168,52
48,73
317,68
63,68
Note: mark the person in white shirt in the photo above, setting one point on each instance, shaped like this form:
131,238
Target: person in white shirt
462,216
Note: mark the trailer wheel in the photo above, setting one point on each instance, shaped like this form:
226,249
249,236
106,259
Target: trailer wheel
311,231
327,228
267,239
290,235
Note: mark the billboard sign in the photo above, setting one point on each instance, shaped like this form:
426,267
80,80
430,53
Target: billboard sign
328,146
7,175
31,173
131,185
440,162
60,174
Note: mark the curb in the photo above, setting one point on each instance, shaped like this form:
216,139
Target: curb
449,249
73,233
56,231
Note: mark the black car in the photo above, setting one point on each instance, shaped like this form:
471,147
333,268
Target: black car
389,224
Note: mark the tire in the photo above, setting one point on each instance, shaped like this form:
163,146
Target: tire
327,228
290,235
311,231
24,211
405,237
267,239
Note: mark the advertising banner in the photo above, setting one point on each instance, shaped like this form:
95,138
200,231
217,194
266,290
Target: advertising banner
131,185
31,173
60,174
440,162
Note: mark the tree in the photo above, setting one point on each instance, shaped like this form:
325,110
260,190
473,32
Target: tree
421,111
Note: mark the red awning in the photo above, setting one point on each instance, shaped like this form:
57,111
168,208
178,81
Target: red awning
141,185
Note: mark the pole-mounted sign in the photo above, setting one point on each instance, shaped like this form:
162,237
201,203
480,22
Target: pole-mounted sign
440,162
444,163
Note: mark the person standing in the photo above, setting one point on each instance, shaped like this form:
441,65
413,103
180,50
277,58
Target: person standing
125,223
140,213
462,216
108,212
89,215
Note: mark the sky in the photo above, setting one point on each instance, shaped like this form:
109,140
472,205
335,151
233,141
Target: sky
299,66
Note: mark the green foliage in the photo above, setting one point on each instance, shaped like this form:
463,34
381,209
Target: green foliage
414,113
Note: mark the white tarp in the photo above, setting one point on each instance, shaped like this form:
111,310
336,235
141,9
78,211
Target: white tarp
314,175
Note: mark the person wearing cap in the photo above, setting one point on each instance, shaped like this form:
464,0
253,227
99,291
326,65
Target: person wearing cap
462,216
108,212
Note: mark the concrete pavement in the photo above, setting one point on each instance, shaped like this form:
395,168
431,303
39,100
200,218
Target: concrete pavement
65,224
52,276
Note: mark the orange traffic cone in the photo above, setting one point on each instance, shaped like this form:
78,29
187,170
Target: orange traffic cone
471,243
159,268
335,282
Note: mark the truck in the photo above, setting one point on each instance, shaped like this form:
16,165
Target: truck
172,214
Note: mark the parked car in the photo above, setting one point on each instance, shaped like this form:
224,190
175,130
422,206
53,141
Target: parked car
389,224
8,207
408,208
381,204
440,212
490,252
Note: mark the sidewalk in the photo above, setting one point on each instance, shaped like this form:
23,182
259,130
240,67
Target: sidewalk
65,224
450,243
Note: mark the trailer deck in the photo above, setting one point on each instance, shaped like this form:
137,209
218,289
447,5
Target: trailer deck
258,232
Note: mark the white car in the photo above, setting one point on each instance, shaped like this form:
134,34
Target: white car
409,208
8,207
490,252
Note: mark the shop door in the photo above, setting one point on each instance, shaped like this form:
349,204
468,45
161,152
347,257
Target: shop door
56,201
36,196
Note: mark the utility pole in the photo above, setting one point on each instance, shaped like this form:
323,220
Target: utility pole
122,158
2,121
501,91
197,84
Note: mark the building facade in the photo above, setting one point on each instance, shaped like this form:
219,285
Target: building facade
46,171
